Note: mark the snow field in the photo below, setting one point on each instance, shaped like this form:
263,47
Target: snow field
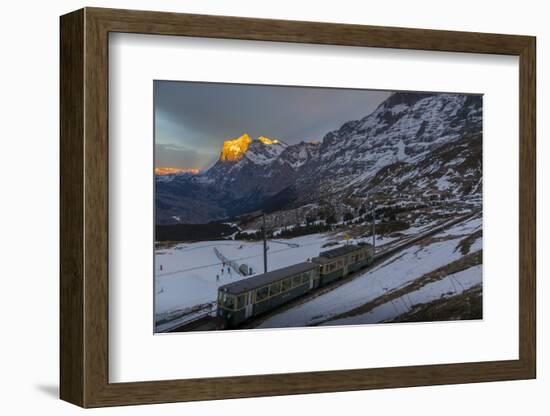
188,275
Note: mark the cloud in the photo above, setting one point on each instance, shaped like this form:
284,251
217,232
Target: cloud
200,116
177,156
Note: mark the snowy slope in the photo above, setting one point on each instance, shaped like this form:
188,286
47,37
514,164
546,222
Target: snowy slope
397,271
188,275
454,284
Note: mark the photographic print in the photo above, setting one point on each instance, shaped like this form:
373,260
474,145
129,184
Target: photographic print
289,206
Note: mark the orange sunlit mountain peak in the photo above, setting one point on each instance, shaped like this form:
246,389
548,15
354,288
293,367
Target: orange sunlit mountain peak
267,140
234,150
161,171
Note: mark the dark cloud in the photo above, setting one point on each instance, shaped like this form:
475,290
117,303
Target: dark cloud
195,117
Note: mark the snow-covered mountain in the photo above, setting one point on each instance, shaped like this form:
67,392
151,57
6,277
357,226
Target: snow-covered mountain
243,162
404,129
413,144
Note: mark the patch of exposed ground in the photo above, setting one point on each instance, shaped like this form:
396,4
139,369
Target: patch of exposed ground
465,244
466,306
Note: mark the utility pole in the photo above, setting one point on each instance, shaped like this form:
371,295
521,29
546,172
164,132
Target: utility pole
265,243
373,227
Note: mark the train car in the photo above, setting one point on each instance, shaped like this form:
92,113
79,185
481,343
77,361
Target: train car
245,270
338,262
243,299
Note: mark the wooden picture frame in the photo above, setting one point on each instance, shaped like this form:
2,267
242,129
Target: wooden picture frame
84,207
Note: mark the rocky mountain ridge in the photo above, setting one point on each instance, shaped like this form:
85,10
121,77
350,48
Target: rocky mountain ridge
412,145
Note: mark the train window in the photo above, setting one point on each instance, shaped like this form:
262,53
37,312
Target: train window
229,302
220,297
275,289
305,277
340,263
261,294
287,284
297,280
241,301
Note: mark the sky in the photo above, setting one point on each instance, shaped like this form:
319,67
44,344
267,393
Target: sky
193,119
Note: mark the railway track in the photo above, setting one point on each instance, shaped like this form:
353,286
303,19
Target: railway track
205,324
378,259
188,318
